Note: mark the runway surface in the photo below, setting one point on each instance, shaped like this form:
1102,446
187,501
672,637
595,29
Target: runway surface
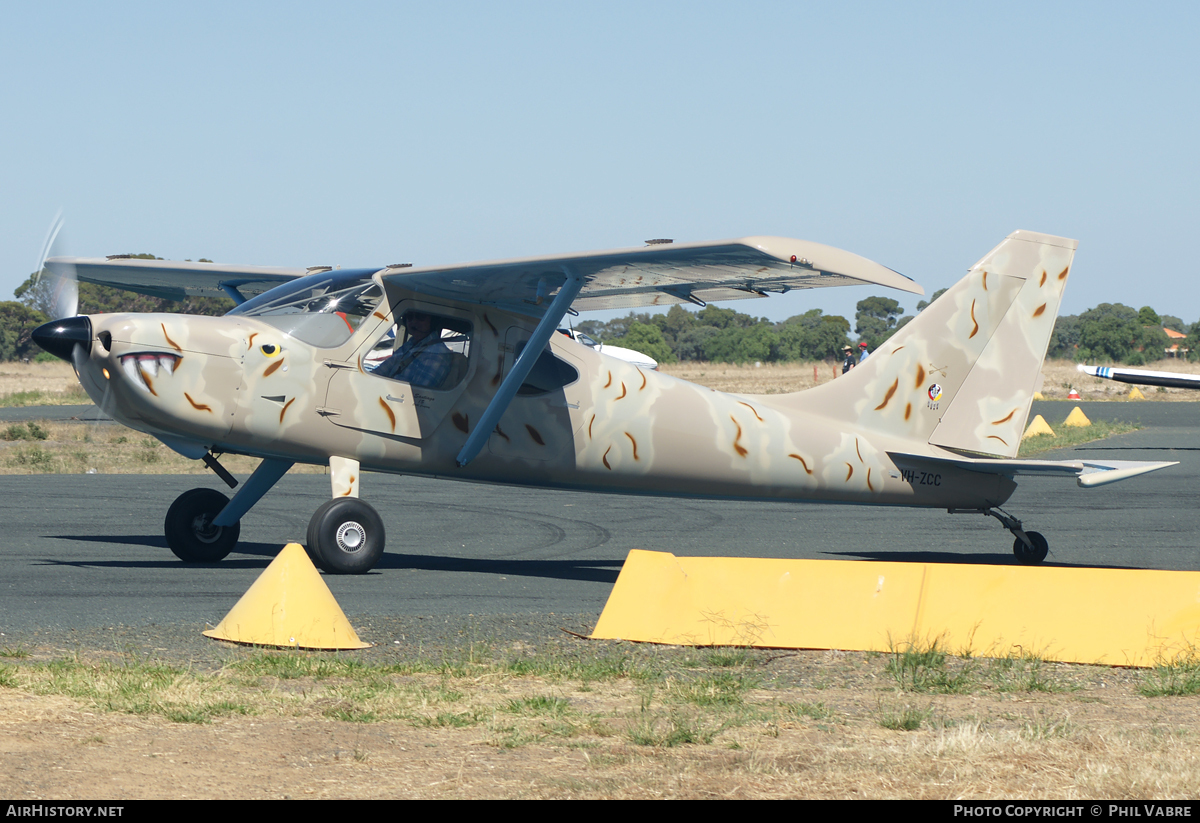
83,551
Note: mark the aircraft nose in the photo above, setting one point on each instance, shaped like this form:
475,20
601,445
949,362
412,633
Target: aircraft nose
59,337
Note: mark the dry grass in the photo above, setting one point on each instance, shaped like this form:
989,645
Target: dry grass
50,447
45,384
610,721
767,378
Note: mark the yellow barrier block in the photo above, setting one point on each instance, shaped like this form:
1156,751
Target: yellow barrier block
1038,426
1077,418
289,605
1125,617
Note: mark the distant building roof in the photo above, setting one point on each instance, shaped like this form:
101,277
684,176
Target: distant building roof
1174,335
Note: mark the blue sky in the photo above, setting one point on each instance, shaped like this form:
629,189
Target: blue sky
917,135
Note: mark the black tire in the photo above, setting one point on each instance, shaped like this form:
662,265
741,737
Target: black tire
1034,556
345,536
190,533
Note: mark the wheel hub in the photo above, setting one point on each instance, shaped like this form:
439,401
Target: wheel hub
351,536
204,530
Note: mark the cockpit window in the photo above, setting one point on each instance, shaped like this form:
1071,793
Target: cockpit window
427,350
322,309
548,374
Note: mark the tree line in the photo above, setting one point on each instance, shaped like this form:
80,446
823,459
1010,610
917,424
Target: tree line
1110,332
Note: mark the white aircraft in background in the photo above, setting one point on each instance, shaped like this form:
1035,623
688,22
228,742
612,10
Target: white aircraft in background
1141,377
643,361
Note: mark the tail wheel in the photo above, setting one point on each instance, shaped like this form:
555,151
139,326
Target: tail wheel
345,536
190,532
1028,556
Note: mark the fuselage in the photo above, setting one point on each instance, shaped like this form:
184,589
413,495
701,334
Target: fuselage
262,386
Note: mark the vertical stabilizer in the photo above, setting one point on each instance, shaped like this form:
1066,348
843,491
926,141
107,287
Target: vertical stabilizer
961,374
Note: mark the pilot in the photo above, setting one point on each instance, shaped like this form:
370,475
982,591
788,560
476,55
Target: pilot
424,360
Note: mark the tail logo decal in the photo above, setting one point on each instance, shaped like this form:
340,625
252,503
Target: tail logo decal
935,395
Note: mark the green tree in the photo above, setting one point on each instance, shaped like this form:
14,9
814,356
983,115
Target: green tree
1173,323
812,336
648,339
689,345
1148,317
17,323
738,344
1064,340
875,320
1114,332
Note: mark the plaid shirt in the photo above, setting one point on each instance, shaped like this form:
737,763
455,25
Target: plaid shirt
423,363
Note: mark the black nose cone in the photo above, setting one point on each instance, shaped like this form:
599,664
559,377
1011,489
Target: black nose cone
60,336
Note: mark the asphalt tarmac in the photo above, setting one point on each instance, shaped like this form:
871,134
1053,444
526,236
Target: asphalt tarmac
85,551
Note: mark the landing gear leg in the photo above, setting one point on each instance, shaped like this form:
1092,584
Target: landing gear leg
1030,548
345,535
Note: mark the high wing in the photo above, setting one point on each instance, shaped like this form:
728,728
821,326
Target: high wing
1144,378
1087,473
173,280
653,275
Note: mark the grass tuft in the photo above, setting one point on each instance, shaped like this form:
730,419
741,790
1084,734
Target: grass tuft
24,431
1175,677
921,667
903,718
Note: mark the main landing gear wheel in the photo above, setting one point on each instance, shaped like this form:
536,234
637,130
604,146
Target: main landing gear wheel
189,529
345,536
1031,556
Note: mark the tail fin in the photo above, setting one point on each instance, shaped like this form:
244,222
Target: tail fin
962,374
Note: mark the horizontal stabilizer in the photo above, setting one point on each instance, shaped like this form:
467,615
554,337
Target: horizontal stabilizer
1088,473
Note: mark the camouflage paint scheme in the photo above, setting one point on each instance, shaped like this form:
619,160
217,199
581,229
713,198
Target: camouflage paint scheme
956,382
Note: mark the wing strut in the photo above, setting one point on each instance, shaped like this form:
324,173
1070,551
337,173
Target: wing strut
520,370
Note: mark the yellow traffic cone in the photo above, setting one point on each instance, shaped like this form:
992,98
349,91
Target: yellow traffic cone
1136,394
1038,426
289,605
1077,418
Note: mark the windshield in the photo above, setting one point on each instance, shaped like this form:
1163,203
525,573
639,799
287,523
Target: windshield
321,309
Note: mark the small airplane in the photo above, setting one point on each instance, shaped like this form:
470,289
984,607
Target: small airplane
1141,377
478,386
